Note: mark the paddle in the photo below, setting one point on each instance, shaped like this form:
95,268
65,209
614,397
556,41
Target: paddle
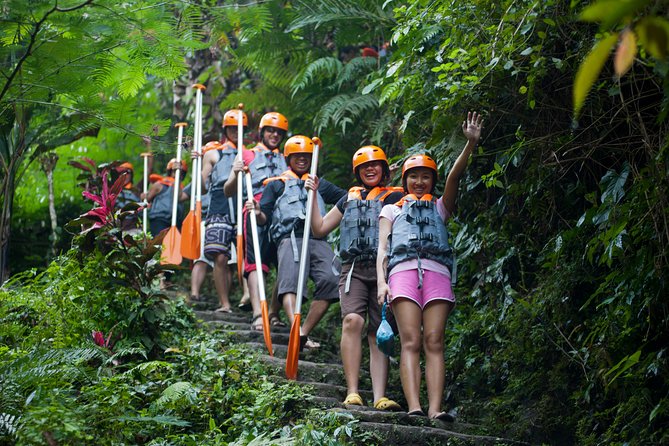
240,194
294,340
145,211
259,271
190,228
171,254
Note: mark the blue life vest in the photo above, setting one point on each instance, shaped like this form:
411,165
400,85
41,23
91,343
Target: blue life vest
161,206
419,233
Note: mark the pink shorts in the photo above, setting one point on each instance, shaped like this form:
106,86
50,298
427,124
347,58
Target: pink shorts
436,286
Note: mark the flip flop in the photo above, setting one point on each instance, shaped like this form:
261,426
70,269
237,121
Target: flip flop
195,298
353,399
223,310
387,404
416,413
443,416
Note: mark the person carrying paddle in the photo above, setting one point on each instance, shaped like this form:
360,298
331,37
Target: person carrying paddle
357,216
220,230
160,197
282,208
267,162
201,264
417,260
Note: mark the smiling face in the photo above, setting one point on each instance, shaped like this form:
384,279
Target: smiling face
371,173
300,163
419,181
272,137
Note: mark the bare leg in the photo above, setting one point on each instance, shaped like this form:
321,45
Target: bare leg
221,280
409,318
435,315
378,368
317,310
351,350
254,291
197,276
288,301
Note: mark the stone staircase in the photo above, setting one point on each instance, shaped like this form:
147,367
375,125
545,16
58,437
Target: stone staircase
321,370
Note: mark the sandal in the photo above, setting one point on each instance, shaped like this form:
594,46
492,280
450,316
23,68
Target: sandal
255,326
245,304
353,399
387,404
223,310
307,343
443,416
274,321
416,413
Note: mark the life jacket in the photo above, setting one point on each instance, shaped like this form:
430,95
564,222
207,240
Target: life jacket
359,227
419,233
126,196
290,208
266,164
161,206
221,171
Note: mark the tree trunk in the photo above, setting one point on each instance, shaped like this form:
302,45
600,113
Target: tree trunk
48,162
5,224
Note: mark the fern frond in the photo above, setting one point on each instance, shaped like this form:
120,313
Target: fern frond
343,110
182,390
362,12
8,424
323,69
355,69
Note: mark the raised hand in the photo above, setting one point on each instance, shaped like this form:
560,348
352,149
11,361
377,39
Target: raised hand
472,127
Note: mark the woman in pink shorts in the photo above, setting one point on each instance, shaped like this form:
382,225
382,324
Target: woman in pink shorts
415,256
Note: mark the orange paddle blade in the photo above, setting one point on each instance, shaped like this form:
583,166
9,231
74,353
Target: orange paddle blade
171,254
240,257
265,326
190,237
293,348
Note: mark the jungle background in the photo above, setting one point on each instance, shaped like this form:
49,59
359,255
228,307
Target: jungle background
562,229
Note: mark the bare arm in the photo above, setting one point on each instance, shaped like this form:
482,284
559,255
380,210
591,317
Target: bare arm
153,191
472,131
230,186
321,226
209,159
385,227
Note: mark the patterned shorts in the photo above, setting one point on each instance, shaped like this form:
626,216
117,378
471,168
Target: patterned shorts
218,236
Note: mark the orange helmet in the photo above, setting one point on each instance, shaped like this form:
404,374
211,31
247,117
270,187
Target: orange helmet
230,118
298,144
125,166
211,145
367,154
273,119
172,165
419,161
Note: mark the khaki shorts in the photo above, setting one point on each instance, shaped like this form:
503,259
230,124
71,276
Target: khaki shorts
319,268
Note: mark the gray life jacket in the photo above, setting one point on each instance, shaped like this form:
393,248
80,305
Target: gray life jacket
125,197
161,206
290,209
266,164
359,227
221,171
419,233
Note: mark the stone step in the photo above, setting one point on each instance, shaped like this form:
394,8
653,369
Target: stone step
401,435
240,336
307,371
210,315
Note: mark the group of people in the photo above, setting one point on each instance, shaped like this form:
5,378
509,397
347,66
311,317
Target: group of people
394,247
